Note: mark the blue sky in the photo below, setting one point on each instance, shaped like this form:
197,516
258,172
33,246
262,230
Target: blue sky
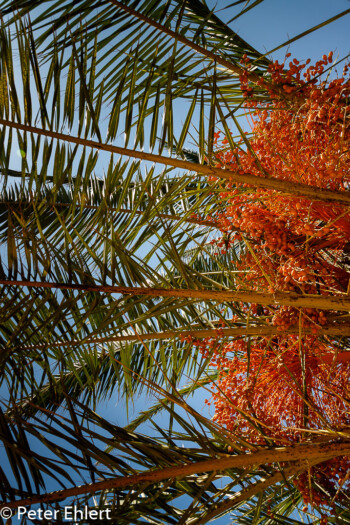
276,21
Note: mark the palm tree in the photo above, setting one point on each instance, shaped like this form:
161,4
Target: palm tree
107,265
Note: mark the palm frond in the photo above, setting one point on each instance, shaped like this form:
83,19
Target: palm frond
108,254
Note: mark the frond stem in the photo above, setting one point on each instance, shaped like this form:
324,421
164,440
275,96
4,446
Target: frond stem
283,186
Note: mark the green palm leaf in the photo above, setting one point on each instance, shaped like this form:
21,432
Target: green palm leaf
104,263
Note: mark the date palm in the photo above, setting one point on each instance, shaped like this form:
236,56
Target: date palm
106,260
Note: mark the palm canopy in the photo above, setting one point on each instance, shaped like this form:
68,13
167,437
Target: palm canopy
91,236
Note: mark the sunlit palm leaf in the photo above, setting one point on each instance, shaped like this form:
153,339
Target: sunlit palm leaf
75,215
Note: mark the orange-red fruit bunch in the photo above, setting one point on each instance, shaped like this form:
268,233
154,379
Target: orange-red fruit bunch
302,136
289,244
260,395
